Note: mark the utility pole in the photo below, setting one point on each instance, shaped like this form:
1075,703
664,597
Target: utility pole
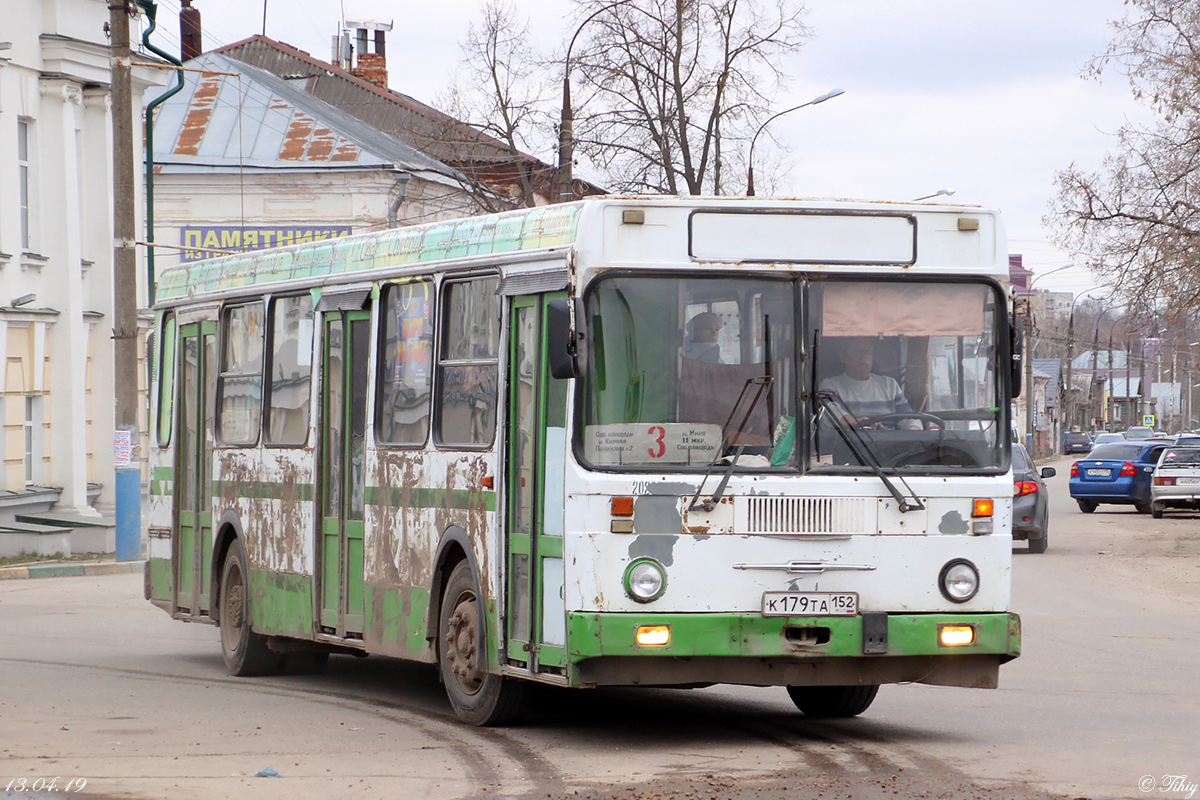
1070,398
126,440
1093,406
1029,405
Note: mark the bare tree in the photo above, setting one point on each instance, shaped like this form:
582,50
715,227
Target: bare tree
1137,218
498,93
670,84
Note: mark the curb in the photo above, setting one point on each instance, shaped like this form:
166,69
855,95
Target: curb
70,570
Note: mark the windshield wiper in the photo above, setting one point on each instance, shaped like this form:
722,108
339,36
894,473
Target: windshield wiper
863,450
762,382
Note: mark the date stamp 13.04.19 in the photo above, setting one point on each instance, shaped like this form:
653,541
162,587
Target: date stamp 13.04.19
45,785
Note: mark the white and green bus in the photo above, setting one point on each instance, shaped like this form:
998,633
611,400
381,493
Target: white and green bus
624,441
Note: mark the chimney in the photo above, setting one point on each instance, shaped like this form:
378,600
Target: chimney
370,66
189,31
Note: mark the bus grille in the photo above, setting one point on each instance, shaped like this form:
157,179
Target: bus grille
816,516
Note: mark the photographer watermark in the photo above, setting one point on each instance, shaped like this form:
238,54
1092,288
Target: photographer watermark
1169,783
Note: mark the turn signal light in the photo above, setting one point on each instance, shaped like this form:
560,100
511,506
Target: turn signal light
653,635
984,506
1022,488
956,635
1164,481
622,506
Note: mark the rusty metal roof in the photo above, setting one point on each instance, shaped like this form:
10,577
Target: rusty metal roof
237,116
397,114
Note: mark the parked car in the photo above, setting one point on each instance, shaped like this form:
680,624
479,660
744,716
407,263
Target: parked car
1176,480
1077,442
1139,432
1107,438
1031,505
1118,473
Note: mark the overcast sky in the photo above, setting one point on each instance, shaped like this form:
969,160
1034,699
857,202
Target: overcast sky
982,97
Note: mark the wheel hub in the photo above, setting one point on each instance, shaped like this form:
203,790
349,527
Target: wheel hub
461,645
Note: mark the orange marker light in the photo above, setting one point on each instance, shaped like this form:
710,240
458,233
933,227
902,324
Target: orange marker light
956,635
983,507
653,635
622,506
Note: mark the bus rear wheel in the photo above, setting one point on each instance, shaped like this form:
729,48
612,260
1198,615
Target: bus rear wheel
245,652
477,696
832,701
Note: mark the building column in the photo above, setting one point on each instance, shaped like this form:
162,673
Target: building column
62,285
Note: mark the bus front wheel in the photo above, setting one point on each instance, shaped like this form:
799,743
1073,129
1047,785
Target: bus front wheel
246,652
832,701
478,697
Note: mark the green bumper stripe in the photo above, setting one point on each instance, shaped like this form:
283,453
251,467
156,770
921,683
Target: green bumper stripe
263,490
595,635
417,497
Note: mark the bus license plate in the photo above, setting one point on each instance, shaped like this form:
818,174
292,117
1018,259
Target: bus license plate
809,604
1099,473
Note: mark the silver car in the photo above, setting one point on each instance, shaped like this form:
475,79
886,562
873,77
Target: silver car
1176,480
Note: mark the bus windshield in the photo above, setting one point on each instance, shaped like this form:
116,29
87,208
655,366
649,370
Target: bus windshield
906,375
685,372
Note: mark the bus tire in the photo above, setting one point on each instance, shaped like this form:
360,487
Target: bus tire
478,698
832,701
246,652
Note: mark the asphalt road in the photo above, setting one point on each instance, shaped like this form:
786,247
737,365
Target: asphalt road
96,684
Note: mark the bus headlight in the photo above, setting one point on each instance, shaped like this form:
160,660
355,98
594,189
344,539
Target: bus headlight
959,580
645,580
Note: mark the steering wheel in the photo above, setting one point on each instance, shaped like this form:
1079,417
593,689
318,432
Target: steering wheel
926,419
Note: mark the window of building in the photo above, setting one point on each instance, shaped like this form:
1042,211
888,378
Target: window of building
291,370
24,181
405,373
32,428
468,370
239,390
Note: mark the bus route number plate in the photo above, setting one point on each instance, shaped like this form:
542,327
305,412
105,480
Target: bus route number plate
809,604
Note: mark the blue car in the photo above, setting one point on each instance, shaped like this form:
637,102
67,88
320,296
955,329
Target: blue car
1118,473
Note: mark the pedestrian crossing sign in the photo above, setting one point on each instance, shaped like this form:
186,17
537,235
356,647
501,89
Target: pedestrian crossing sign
1148,420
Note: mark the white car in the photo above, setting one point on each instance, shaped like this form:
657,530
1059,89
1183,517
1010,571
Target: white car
1176,480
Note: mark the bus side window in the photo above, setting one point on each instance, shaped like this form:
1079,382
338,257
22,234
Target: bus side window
468,363
239,390
405,373
291,370
166,378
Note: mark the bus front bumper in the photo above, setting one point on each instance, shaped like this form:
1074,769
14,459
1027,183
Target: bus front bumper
791,651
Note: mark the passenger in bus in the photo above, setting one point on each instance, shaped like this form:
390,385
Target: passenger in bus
701,341
864,393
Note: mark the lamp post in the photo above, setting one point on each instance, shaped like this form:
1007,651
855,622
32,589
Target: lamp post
754,139
1031,344
566,129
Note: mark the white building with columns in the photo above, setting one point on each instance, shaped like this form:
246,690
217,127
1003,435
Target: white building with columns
56,278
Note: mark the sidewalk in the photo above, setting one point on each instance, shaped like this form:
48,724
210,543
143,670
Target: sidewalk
58,569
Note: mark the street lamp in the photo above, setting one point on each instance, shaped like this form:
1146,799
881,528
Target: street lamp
566,129
1031,344
750,167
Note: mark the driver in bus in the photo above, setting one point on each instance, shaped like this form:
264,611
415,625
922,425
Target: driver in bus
701,342
865,394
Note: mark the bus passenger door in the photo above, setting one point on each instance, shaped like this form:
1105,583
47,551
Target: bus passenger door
343,457
536,435
193,468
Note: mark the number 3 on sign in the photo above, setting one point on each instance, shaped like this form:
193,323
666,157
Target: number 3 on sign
660,434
